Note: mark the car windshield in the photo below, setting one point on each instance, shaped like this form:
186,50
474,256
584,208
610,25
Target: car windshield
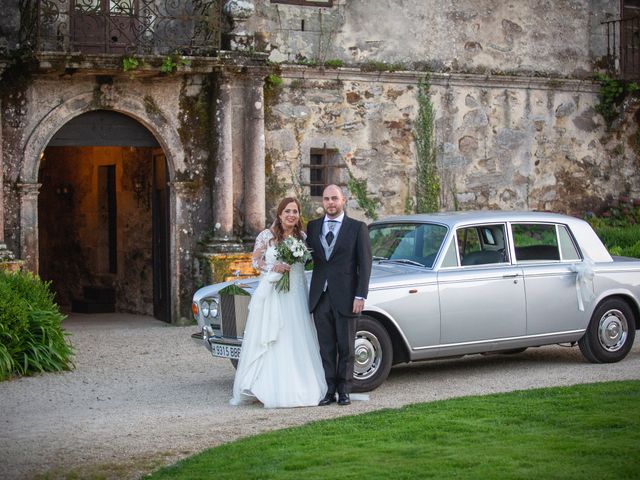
414,243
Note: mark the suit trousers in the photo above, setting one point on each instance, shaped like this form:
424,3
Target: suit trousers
336,336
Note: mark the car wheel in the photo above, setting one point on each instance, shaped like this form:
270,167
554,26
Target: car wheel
373,355
610,333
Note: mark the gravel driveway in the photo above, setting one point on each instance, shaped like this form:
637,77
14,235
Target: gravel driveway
144,394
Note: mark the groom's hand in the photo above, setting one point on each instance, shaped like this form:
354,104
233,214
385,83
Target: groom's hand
358,305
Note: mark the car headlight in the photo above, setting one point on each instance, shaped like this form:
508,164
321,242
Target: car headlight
209,308
213,306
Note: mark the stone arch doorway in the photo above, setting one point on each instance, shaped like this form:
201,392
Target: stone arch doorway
103,216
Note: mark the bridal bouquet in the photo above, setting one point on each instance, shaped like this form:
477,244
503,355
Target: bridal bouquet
291,250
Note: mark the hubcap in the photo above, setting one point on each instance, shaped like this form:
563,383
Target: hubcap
368,355
613,330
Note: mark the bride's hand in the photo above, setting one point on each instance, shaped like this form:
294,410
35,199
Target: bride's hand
281,267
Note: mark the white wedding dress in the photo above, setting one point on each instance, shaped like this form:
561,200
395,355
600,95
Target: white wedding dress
280,361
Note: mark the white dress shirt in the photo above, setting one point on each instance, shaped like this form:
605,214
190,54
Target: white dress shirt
336,228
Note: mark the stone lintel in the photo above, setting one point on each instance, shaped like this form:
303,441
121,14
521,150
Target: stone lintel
224,245
440,79
78,64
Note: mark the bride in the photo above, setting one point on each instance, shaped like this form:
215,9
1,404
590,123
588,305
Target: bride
280,361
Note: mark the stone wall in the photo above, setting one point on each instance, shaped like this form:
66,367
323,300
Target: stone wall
502,142
560,38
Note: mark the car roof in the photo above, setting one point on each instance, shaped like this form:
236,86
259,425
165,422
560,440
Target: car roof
592,247
455,219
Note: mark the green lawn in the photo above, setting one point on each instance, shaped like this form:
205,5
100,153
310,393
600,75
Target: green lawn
585,431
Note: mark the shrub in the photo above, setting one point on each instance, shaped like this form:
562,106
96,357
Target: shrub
31,337
618,226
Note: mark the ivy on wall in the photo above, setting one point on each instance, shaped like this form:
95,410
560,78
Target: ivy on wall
358,189
612,93
427,179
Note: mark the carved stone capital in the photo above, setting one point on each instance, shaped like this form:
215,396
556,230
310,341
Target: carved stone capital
29,190
181,188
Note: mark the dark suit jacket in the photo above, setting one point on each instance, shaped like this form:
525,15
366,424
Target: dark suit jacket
347,271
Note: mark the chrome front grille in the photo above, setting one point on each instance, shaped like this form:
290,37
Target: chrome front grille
234,310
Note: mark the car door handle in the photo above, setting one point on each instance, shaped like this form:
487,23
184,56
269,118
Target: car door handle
511,275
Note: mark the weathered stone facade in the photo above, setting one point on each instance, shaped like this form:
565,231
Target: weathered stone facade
503,142
511,83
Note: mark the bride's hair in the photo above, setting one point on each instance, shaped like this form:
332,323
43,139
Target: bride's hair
278,229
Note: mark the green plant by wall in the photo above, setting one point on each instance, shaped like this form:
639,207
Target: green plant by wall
275,190
306,204
130,63
273,81
409,205
272,89
31,337
171,63
376,66
612,93
427,179
358,189
334,63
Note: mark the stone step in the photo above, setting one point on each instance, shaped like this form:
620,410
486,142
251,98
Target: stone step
96,300
89,306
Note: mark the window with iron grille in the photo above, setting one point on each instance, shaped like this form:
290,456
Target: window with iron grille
306,3
130,27
324,168
630,39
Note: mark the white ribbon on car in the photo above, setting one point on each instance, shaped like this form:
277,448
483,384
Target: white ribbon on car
584,282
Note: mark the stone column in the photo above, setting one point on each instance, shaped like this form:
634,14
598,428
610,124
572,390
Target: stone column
29,224
180,253
1,184
5,254
254,168
223,184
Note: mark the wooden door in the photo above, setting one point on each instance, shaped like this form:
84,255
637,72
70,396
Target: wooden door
161,272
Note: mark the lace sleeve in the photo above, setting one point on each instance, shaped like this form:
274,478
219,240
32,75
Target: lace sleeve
262,243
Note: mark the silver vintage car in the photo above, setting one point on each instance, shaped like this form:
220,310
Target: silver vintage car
462,283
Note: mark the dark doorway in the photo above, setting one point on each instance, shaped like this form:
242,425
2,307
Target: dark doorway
103,217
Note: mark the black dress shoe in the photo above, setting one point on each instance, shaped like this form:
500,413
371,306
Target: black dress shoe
328,399
343,399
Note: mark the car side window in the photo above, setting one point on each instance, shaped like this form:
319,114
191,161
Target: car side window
481,245
535,242
567,247
451,257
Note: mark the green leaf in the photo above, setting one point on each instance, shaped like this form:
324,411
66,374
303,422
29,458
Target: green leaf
233,289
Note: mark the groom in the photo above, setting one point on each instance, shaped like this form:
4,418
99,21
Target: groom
339,285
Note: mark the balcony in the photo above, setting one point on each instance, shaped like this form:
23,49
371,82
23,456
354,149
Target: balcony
129,27
623,47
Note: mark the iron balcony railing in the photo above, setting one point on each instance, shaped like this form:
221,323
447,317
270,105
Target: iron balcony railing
129,27
623,47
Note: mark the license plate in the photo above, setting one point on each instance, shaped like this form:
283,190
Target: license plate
226,351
